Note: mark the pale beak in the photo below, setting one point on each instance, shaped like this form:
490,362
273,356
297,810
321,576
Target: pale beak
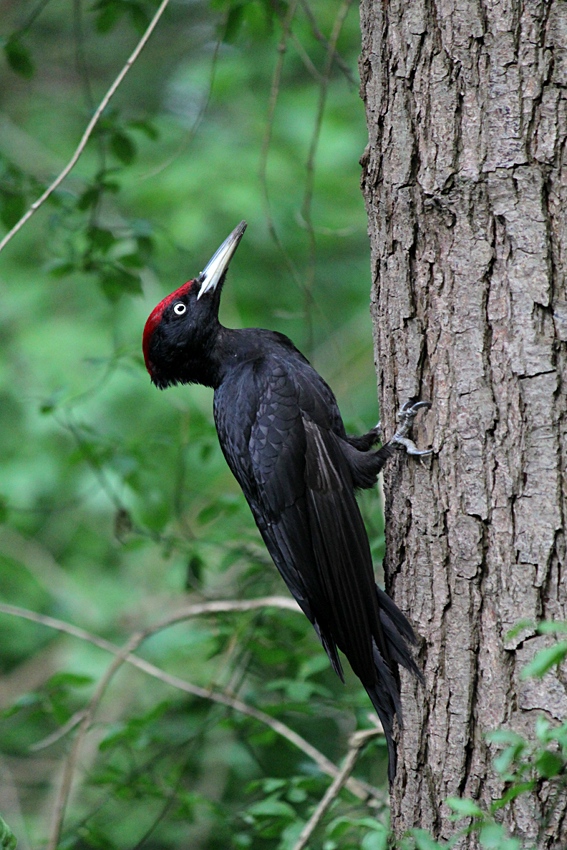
218,264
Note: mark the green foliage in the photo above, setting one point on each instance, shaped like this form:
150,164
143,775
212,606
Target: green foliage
8,840
18,57
522,762
545,660
350,833
116,506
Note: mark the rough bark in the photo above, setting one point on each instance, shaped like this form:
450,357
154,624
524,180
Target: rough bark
465,179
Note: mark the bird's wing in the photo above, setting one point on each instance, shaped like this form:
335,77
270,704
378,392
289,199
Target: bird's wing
306,510
279,430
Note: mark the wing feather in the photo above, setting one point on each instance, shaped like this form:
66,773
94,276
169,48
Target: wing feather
297,473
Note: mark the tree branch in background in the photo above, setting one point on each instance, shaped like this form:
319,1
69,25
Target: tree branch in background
90,127
307,205
361,790
356,743
263,170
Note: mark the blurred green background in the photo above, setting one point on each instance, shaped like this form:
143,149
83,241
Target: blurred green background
116,505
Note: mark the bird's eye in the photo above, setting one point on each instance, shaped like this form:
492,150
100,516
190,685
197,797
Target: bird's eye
179,308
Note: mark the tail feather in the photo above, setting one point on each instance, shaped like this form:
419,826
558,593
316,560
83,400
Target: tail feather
400,620
385,697
397,648
385,692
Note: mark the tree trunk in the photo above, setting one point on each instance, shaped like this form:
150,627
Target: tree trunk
465,180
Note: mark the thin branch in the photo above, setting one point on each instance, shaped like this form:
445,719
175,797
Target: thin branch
30,20
222,606
192,131
318,35
57,625
58,734
356,743
263,170
71,761
199,609
305,58
358,788
307,206
90,127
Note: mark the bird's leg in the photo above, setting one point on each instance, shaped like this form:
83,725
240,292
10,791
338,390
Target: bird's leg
366,441
406,415
365,464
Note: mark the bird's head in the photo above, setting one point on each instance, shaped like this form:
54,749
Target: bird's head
181,330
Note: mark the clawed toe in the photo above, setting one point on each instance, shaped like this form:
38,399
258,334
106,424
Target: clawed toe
406,415
410,446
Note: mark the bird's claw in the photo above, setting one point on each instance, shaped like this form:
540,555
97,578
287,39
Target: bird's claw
406,415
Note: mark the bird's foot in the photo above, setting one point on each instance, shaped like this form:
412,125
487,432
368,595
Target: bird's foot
406,415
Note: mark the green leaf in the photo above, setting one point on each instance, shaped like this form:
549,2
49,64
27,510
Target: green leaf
339,827
519,627
117,282
506,736
101,238
464,808
132,261
19,58
146,127
61,268
109,13
233,24
493,837
511,794
123,147
552,627
89,197
138,16
12,207
270,784
210,512
271,808
543,729
8,840
73,680
424,840
145,246
3,509
49,404
544,660
504,759
549,764
375,840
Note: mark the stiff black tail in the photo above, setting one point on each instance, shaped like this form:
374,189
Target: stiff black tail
385,692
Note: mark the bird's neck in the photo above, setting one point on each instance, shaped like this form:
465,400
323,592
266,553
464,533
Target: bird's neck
210,362
227,349
234,347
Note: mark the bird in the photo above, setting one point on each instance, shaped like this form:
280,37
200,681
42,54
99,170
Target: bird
283,437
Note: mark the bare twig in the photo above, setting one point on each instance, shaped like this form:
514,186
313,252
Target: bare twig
263,171
192,131
59,733
30,20
72,758
307,206
356,743
360,789
90,127
317,34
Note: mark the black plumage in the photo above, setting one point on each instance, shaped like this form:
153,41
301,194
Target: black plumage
283,437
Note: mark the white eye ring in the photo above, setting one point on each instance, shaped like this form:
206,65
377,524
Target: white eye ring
180,308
